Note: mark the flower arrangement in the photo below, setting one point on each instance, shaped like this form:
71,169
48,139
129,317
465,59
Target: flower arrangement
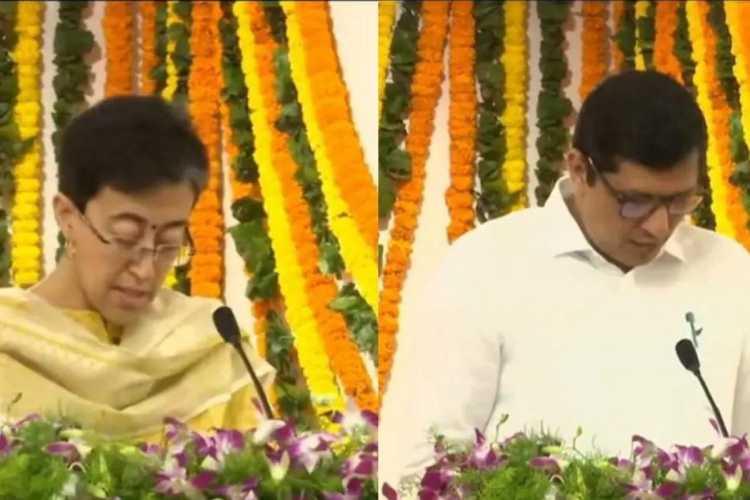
41,458
540,466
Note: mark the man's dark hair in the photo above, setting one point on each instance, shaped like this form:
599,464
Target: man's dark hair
640,116
129,143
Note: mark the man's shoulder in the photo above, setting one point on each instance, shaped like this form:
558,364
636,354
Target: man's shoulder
703,245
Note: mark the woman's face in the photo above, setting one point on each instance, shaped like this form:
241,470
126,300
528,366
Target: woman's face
111,245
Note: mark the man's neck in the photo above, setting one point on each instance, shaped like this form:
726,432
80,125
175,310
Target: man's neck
571,204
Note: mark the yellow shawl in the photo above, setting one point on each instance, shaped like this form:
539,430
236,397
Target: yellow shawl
170,362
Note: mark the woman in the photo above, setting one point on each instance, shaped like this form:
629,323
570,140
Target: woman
98,340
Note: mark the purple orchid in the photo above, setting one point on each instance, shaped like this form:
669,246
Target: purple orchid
278,464
66,450
214,449
245,491
308,449
173,479
6,445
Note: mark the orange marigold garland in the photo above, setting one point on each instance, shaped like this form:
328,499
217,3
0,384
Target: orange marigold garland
321,335
595,43
118,28
462,122
149,59
666,23
618,11
428,77
346,182
204,84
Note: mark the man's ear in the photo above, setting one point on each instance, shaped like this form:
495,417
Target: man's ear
65,211
578,168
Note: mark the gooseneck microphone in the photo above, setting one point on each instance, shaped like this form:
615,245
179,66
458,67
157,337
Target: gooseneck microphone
689,359
229,330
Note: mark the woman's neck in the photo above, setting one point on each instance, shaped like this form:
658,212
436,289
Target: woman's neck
61,288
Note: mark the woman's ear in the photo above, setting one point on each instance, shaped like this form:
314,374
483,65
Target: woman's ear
65,211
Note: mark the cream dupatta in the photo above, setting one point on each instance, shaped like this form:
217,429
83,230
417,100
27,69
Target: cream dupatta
169,363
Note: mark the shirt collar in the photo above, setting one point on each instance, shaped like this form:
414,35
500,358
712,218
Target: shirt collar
566,236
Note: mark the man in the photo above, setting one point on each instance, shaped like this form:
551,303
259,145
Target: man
568,315
99,341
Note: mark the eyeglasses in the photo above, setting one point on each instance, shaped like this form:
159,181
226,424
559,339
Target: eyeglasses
639,206
131,251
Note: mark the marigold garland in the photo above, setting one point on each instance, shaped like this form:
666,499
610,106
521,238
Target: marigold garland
26,242
321,92
731,138
204,85
172,78
462,122
595,46
118,24
644,40
425,91
618,11
386,16
513,118
348,187
709,99
737,13
293,242
175,89
149,58
666,22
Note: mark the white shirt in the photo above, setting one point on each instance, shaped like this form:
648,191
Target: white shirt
524,318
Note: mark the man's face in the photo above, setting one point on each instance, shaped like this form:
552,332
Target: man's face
120,279
631,242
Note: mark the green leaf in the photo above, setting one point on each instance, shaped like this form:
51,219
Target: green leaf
386,195
247,209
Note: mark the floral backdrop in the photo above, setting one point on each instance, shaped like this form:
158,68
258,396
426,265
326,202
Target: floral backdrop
477,104
263,84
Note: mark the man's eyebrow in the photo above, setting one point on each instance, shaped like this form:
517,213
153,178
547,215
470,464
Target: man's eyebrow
641,194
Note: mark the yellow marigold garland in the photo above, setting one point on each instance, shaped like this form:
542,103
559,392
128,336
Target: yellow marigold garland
26,250
350,193
595,46
428,77
513,119
737,13
709,93
666,23
462,123
641,11
288,216
117,25
168,93
204,84
386,16
172,78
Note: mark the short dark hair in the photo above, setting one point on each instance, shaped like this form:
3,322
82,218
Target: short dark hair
129,143
640,116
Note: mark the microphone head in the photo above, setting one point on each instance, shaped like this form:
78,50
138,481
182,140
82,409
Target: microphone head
226,324
688,356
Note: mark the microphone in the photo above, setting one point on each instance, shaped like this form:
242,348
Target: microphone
227,326
689,359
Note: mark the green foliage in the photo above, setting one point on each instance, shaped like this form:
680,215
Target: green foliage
394,163
552,106
359,317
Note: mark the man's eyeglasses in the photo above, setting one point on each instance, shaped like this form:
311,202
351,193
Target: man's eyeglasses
163,255
639,206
